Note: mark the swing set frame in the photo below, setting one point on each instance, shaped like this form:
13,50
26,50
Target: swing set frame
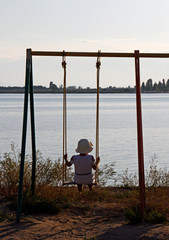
29,94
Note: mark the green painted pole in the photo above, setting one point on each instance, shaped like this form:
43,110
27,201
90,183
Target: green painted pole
24,129
32,116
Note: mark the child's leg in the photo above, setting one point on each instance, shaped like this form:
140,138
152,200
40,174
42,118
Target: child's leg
90,186
79,186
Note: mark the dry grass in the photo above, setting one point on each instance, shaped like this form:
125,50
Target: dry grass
49,191
156,198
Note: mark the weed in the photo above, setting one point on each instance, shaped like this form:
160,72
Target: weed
150,215
106,173
37,205
127,180
48,172
154,177
92,238
154,216
6,216
132,214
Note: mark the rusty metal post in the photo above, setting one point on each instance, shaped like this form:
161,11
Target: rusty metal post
140,136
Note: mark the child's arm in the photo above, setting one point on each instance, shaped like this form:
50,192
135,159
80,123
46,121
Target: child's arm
67,162
94,166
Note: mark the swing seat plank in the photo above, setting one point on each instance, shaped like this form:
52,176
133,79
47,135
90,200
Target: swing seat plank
73,183
69,183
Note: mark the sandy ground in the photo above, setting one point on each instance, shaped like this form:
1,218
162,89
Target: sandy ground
100,221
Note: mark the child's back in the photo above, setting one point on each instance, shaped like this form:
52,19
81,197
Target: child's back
83,164
83,168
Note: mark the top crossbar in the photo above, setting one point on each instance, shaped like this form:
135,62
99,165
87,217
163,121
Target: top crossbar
102,54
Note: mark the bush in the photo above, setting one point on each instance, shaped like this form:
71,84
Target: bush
6,216
106,174
37,204
154,177
150,215
127,180
48,172
154,216
132,214
9,171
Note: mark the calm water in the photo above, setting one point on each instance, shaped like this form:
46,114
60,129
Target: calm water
118,134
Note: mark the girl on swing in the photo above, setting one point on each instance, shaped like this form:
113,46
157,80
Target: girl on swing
83,163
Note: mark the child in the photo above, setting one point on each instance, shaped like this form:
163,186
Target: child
83,164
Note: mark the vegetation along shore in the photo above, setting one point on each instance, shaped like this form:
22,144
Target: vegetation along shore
61,212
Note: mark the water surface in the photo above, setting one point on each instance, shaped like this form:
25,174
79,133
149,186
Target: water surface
118,133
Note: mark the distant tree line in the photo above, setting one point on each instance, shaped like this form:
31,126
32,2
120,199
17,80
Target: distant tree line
37,89
74,89
159,87
146,87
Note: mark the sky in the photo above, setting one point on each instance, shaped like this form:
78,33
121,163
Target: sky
76,25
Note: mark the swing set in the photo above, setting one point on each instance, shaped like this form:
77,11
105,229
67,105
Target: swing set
29,94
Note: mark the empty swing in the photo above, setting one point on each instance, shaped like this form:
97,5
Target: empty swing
64,178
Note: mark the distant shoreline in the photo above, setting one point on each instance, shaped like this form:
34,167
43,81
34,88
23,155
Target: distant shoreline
53,89
85,92
53,93
148,87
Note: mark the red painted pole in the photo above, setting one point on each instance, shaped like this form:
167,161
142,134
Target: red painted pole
140,136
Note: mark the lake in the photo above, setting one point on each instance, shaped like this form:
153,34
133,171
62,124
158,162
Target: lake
118,132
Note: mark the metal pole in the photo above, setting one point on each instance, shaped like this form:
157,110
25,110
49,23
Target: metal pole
32,129
24,129
64,117
102,54
98,65
140,137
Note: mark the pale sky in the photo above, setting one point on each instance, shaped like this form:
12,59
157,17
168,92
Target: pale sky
76,25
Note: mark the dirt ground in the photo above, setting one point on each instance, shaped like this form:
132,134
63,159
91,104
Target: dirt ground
99,221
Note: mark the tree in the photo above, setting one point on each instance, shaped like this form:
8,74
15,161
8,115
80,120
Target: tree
163,85
167,85
149,85
155,87
160,85
143,87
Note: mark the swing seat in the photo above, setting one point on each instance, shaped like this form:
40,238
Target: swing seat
69,183
73,183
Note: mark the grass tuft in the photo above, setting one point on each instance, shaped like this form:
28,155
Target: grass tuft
150,215
6,216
